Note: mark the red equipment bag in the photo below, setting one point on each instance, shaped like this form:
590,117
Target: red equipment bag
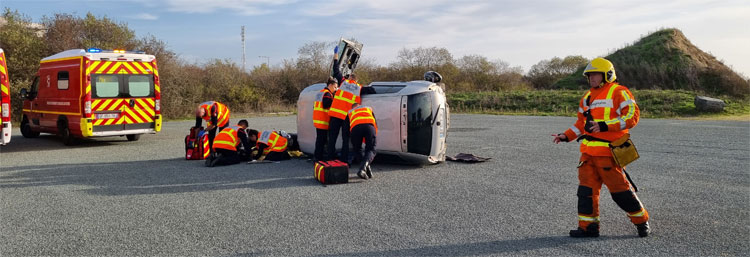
196,144
332,172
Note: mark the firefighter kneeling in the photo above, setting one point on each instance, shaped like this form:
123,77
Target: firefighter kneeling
363,128
226,149
271,145
605,114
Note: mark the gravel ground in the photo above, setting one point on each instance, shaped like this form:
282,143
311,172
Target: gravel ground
113,197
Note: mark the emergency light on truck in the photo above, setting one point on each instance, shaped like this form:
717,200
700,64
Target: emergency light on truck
95,50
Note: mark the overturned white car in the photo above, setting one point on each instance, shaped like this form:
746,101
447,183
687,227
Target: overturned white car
413,119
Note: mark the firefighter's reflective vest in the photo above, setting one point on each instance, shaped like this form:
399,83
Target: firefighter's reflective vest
320,114
227,138
273,141
222,116
613,107
362,115
347,95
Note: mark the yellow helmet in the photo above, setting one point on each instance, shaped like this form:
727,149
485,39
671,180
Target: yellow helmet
601,65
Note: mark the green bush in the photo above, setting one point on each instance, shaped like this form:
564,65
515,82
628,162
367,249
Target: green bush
652,103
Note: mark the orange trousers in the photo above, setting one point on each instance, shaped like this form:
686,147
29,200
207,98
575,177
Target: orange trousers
592,172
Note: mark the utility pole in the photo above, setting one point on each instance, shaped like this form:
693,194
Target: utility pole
244,62
268,59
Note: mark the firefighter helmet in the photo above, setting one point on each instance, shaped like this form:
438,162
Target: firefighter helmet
603,66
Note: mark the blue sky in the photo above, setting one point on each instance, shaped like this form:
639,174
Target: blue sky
519,32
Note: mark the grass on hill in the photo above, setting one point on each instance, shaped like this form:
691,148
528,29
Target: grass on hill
666,59
652,103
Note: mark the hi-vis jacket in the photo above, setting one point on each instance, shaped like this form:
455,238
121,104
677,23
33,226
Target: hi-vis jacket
362,115
270,141
613,107
320,112
228,138
347,95
215,110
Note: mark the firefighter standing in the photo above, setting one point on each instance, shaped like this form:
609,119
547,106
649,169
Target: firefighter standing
363,128
347,94
226,149
216,115
321,119
605,114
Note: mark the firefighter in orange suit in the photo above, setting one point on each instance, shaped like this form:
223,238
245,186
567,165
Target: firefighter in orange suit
606,113
363,128
230,145
216,115
323,101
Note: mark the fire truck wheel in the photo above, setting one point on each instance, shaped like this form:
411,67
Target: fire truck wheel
133,137
26,129
64,132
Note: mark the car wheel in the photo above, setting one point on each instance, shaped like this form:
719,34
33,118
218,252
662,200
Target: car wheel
64,132
133,137
26,129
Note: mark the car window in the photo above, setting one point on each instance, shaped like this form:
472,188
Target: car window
419,109
35,84
62,80
139,85
106,85
387,89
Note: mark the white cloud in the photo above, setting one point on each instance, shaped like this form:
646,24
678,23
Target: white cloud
521,32
243,7
145,16
525,32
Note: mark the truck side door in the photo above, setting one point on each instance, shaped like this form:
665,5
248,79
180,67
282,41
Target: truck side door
33,105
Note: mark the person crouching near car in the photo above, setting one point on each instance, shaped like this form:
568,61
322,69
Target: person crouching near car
363,128
229,145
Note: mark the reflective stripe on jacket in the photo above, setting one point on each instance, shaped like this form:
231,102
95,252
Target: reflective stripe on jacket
347,95
227,139
613,107
362,115
273,141
222,113
320,114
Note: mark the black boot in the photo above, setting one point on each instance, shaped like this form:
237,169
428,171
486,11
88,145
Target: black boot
368,170
362,174
642,229
363,171
592,230
209,160
213,159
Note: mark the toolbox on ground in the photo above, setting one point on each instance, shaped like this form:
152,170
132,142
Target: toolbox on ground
331,172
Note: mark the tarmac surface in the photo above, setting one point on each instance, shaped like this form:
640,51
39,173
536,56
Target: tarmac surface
113,197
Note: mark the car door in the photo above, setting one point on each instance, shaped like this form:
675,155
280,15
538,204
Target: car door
139,111
349,54
33,105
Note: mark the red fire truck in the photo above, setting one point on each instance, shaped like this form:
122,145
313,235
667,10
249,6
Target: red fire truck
93,93
4,100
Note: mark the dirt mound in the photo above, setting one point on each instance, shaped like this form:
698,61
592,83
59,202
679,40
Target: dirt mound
666,59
